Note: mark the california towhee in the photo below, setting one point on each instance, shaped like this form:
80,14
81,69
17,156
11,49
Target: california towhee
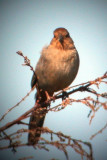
56,69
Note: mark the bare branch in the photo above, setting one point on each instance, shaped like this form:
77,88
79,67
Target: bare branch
17,103
84,101
26,61
100,131
62,143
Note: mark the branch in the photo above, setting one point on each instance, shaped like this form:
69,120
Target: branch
62,143
85,101
17,121
100,131
63,140
17,103
26,61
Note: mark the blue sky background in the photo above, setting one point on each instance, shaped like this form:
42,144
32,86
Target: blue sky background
28,25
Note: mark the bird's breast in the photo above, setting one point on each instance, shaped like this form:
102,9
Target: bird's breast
57,69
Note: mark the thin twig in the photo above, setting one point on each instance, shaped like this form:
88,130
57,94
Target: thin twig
100,131
17,103
61,144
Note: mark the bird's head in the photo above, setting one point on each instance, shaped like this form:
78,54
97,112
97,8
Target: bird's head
62,39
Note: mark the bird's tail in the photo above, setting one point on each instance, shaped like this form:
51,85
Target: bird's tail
37,119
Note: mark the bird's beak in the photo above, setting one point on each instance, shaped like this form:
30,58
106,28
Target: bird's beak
60,38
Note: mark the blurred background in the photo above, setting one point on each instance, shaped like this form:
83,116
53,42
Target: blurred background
28,26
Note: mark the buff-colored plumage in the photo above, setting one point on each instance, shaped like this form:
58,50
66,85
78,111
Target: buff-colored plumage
56,69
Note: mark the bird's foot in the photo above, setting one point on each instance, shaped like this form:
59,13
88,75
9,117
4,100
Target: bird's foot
64,95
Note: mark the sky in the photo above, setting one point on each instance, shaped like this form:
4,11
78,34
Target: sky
28,26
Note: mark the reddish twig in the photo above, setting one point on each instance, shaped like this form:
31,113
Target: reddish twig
100,131
17,103
26,61
17,121
94,105
62,143
81,88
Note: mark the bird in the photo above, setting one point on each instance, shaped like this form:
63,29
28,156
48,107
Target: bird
56,69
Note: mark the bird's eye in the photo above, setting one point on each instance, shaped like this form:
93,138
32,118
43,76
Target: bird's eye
67,35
